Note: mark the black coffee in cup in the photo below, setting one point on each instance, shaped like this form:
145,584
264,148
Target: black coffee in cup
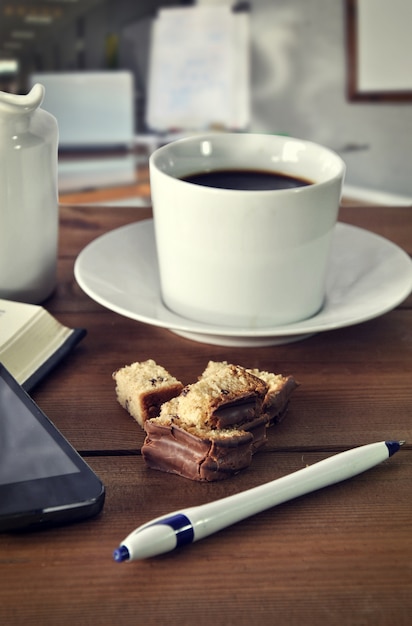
246,179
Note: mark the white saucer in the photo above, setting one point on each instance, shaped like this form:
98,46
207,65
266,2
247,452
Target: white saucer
368,276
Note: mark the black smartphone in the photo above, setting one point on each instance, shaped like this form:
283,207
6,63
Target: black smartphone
43,480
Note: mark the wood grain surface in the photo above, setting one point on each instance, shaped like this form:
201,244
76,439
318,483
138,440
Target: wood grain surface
340,556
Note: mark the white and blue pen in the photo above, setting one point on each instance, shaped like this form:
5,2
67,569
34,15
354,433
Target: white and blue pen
173,530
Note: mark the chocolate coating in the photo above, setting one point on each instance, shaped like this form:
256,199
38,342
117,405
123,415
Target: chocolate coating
172,449
275,405
258,429
235,413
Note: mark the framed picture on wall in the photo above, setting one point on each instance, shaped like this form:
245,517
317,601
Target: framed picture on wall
379,49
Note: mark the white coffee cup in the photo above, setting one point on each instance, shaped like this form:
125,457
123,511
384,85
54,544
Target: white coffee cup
244,258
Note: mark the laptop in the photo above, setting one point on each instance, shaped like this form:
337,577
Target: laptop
94,110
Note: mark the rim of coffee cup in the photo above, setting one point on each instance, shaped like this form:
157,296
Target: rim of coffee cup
168,150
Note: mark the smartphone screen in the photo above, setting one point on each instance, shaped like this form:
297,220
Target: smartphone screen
43,480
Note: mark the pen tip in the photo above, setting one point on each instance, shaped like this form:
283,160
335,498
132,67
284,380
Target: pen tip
393,446
121,554
402,442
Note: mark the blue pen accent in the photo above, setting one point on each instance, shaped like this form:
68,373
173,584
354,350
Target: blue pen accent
121,554
182,527
393,446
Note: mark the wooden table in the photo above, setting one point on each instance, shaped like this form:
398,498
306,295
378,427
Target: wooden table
342,555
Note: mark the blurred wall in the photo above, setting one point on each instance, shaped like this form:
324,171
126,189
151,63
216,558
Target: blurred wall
299,88
298,80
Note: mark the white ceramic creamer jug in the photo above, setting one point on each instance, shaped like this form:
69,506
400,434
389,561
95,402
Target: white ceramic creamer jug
28,197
